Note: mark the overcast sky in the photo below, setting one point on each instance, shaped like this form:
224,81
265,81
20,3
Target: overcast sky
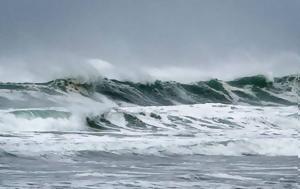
183,40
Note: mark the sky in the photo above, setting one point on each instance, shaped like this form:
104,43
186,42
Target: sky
184,40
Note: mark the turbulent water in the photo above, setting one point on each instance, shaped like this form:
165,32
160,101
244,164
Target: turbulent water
69,133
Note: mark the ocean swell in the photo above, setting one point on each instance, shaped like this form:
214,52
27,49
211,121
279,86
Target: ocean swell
247,116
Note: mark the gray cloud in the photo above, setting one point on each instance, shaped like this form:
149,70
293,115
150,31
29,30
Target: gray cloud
208,38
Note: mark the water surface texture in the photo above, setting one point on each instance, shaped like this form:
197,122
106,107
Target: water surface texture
114,134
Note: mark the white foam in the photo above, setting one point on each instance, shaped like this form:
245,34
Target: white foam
228,176
77,105
251,130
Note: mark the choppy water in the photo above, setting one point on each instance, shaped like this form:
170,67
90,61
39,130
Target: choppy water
69,137
99,169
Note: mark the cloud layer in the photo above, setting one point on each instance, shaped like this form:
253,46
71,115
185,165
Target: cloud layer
142,40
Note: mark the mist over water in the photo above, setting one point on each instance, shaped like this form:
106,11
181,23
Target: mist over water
46,69
170,40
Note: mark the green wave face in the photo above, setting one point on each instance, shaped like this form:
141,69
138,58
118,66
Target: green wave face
33,114
256,90
255,81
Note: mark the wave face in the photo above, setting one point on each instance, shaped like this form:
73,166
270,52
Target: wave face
256,90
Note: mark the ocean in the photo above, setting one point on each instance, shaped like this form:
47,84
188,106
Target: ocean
70,133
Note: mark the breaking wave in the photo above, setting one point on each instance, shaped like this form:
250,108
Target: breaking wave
246,116
256,90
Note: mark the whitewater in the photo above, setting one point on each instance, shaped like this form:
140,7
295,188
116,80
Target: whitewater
105,133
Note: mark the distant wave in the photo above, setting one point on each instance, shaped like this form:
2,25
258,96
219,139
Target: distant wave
256,90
